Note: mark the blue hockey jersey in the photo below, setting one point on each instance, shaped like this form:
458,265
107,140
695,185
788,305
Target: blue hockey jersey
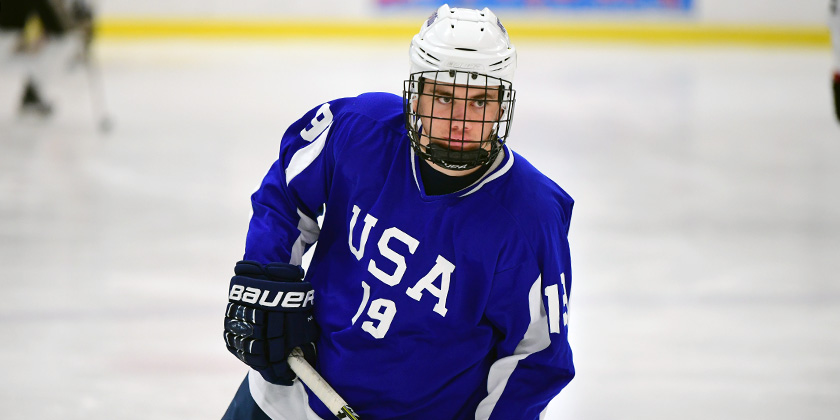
448,307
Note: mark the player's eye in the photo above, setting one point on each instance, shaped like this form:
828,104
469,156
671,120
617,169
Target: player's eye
479,103
444,100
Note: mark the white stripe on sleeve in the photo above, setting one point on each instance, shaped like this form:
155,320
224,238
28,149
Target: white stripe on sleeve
305,156
536,339
309,232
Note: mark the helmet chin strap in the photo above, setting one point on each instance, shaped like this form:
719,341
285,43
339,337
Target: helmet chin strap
443,155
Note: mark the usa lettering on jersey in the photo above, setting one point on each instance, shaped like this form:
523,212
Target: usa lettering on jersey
384,310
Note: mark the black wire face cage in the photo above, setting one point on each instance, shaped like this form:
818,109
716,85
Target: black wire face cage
458,125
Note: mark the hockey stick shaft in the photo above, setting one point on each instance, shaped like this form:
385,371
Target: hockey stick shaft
97,94
320,387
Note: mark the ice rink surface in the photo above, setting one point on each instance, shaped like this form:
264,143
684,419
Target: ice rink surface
705,239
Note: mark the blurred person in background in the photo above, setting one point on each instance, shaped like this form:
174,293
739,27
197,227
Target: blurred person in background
834,27
41,36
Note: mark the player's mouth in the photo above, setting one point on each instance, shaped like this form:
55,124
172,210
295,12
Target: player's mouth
457,144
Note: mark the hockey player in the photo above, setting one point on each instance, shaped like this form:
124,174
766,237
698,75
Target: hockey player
57,18
834,27
441,276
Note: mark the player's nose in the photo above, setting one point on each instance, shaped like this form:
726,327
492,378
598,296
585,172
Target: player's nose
459,109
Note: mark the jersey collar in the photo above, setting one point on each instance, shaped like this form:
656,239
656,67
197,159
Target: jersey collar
500,166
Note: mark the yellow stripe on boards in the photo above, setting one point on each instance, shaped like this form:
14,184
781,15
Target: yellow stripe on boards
386,29
257,29
674,33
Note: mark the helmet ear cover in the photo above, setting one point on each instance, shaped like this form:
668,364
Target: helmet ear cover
440,150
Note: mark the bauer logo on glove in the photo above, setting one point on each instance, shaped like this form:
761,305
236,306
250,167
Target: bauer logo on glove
290,299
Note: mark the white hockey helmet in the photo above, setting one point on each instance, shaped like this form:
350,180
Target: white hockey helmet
468,40
465,47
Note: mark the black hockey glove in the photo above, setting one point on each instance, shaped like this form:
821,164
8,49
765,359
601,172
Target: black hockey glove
269,313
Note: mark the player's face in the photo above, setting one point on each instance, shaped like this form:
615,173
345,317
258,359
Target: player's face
458,117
